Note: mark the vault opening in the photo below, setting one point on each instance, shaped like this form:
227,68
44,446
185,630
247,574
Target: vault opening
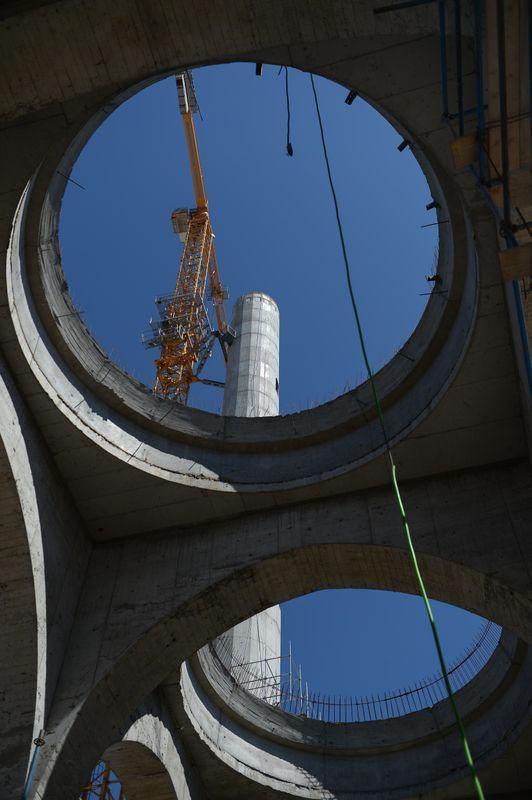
354,655
273,223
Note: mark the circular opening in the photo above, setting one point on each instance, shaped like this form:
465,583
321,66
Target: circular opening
355,655
273,220
410,384
368,644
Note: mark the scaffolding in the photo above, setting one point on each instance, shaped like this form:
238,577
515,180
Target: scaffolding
278,681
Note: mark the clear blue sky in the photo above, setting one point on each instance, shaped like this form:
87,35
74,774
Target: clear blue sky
361,642
272,217
275,232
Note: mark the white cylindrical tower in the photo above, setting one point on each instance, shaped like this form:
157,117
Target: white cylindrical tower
252,390
252,381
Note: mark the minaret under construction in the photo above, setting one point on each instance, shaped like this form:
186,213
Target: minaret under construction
252,390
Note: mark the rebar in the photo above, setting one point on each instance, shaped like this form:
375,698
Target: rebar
293,696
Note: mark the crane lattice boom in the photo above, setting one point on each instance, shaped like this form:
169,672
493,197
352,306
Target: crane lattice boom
104,785
183,331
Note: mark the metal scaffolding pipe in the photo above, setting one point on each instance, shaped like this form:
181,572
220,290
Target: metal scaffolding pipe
459,68
503,113
443,58
479,84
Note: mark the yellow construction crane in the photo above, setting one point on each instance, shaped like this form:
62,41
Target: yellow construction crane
183,330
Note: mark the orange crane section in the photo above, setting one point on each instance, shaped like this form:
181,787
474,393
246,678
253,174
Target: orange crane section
183,330
104,785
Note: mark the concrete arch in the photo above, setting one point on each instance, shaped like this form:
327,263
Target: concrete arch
45,555
324,546
391,759
150,760
23,629
140,771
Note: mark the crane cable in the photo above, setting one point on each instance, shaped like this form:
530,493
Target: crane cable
393,469
289,148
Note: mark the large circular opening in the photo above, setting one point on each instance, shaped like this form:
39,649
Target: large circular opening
334,439
273,220
355,655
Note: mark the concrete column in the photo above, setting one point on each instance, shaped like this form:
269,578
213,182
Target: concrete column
252,390
252,381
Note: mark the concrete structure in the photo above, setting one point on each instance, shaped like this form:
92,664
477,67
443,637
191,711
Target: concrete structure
252,381
252,390
133,532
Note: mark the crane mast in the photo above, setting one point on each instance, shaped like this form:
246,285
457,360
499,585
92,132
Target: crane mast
183,330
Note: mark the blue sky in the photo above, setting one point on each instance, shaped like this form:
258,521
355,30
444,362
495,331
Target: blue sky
361,642
275,232
272,217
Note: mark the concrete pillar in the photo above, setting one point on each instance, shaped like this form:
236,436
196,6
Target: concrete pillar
252,390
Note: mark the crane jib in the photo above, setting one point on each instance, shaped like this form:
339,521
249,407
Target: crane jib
183,330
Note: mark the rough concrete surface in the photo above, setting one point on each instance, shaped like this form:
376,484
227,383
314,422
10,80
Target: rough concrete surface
133,531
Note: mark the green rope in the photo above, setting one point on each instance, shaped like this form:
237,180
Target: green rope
393,468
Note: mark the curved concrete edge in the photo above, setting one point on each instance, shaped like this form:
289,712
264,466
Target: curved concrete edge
80,407
197,466
150,761
57,548
110,381
25,620
369,738
497,706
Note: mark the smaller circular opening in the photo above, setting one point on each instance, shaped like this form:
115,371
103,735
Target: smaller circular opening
347,655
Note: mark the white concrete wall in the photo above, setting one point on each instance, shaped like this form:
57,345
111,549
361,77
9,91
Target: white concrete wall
252,390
